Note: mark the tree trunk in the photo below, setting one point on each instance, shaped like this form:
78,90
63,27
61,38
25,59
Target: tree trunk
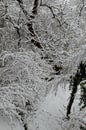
79,76
23,119
35,7
72,97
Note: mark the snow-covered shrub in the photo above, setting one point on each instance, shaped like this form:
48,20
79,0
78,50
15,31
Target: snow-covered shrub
77,120
22,84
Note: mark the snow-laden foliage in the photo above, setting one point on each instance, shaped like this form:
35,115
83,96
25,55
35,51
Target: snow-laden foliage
22,82
76,122
39,52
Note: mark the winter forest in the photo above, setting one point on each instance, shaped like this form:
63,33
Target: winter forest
42,64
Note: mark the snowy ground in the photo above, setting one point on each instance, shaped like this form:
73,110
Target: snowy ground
5,124
50,111
48,116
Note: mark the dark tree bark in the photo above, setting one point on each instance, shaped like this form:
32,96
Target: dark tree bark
25,127
17,29
82,7
23,120
79,76
30,23
23,115
31,29
35,7
72,97
36,43
20,1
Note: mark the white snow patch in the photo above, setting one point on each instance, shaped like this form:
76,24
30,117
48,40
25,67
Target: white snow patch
51,111
6,124
50,114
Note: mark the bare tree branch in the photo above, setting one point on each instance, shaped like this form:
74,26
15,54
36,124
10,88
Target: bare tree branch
29,23
60,13
82,6
49,7
5,10
16,26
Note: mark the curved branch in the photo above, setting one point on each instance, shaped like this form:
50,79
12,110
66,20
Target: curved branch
50,8
52,11
16,26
